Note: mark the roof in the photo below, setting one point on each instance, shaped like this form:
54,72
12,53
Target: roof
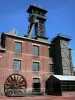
61,36
36,7
24,38
65,77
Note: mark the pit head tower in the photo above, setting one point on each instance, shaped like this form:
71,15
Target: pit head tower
37,19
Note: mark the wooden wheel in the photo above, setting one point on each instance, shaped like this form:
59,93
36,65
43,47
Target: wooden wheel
15,85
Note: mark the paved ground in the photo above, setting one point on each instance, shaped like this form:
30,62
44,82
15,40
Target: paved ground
38,98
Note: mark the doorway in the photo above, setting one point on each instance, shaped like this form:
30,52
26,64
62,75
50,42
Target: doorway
36,85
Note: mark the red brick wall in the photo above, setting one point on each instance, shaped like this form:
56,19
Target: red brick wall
26,61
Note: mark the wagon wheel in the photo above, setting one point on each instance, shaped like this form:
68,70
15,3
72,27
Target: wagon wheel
15,85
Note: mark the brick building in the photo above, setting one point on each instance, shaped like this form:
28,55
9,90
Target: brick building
27,62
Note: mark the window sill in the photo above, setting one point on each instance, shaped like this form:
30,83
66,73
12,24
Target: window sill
16,69
36,55
35,71
18,52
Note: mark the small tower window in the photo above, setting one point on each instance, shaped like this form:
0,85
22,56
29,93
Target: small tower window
51,67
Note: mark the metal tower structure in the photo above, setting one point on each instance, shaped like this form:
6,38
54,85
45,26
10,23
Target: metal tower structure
60,52
37,21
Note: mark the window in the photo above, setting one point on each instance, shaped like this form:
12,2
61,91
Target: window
18,47
35,66
16,64
51,67
35,50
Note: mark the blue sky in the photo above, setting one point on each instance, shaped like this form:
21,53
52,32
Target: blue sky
60,17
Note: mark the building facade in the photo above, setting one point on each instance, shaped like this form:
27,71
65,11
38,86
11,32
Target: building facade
27,62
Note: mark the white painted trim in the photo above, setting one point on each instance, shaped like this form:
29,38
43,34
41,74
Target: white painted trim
35,61
18,41
34,44
17,59
35,77
17,52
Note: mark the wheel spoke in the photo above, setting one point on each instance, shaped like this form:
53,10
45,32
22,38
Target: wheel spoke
14,78
11,78
19,80
8,84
